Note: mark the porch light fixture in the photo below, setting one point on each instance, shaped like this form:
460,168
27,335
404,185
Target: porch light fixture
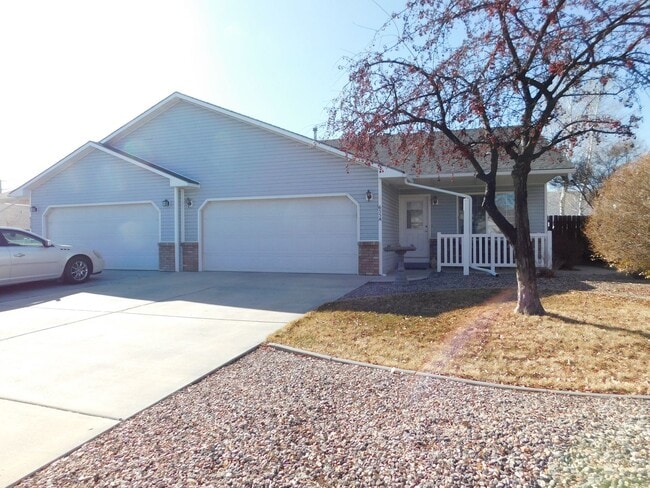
33,209
188,202
165,203
368,195
434,200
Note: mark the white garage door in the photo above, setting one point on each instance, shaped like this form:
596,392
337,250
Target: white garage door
126,235
290,235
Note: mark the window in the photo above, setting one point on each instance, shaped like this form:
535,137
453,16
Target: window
14,238
414,215
481,222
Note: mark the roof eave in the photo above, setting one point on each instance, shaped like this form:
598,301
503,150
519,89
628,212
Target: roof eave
25,189
554,172
50,172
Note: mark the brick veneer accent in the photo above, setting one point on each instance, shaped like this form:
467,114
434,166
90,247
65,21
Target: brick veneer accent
166,256
190,259
369,258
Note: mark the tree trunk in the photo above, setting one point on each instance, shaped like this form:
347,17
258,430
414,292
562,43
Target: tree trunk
528,302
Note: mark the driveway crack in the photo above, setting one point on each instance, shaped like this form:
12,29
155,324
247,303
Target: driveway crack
61,409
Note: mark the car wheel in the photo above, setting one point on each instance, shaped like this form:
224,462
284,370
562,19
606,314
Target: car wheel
77,270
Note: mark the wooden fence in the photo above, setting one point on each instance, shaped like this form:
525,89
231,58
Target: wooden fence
570,244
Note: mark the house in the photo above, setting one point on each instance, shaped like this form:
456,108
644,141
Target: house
189,186
14,212
569,202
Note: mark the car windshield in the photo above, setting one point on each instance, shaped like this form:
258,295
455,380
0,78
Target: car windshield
16,238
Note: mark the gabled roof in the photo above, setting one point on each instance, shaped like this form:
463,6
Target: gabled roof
175,179
177,97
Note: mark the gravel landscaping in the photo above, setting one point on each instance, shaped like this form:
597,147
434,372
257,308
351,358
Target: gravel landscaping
585,279
276,419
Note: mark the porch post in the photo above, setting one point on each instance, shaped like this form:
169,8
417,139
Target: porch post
493,252
467,233
178,208
439,253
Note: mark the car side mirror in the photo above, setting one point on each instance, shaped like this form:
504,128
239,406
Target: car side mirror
48,243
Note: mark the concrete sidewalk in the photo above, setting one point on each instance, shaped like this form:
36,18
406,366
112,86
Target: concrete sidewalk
76,360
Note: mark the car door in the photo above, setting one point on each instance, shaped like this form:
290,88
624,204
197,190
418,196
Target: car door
30,258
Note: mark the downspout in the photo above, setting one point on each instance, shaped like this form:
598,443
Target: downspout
177,228
182,216
467,224
380,227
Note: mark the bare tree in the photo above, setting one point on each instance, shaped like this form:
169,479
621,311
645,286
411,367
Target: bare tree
593,168
506,69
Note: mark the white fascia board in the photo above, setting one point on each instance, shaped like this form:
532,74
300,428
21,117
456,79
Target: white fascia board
53,170
268,127
388,172
84,151
141,119
553,172
173,181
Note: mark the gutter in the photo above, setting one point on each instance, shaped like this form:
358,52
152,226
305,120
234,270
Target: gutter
467,225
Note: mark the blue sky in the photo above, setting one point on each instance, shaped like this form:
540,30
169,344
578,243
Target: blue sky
76,70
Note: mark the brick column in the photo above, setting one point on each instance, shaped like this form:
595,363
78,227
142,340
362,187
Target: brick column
369,258
190,251
166,256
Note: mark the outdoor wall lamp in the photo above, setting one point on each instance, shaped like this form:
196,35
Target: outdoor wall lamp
165,203
368,195
188,202
434,200
33,209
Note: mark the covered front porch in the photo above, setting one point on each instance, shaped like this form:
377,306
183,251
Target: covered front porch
442,218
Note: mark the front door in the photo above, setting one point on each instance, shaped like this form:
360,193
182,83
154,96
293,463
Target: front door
415,220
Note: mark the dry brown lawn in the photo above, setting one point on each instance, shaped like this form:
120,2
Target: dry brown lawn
596,340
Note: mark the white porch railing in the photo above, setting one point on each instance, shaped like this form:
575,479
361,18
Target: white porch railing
490,251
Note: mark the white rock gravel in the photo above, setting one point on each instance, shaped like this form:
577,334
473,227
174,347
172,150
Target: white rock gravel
276,419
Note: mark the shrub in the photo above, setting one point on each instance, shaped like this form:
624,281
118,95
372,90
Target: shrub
619,228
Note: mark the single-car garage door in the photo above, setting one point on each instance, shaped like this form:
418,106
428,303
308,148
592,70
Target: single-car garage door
126,235
290,235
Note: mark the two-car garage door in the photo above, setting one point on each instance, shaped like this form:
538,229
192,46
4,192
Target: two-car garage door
127,235
290,235
294,235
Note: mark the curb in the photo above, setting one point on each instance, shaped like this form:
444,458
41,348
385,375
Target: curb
454,379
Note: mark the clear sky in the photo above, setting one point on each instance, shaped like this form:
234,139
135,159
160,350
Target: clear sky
76,70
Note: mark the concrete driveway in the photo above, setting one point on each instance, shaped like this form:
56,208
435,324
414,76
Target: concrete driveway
77,360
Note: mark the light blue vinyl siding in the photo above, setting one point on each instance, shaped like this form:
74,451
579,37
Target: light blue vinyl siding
444,216
99,178
233,159
537,208
390,226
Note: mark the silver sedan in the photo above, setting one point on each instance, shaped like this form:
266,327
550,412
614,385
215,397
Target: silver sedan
26,257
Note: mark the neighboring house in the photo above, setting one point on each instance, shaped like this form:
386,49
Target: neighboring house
570,202
189,186
14,212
